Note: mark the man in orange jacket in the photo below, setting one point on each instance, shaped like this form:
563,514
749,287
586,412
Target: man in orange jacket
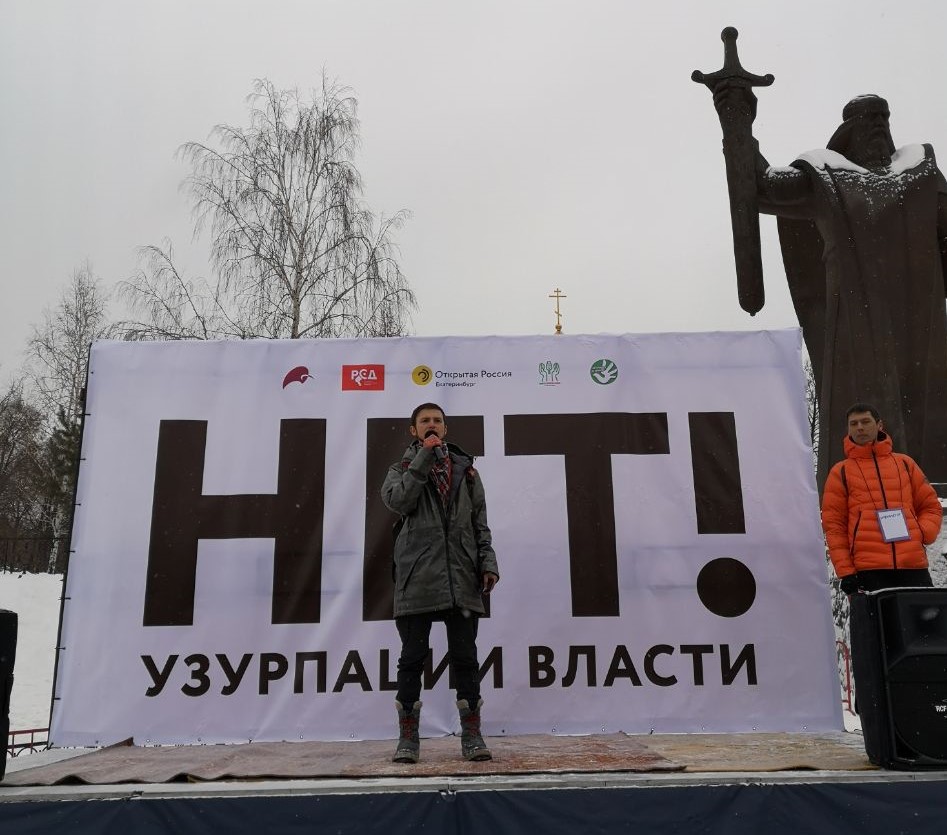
878,510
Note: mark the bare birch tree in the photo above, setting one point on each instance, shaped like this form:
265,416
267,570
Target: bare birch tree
296,251
55,375
173,306
58,348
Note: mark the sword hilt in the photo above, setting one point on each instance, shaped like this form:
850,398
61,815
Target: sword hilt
731,70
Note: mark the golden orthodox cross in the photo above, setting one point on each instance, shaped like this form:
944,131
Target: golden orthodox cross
558,295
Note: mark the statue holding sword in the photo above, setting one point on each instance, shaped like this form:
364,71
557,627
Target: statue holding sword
863,232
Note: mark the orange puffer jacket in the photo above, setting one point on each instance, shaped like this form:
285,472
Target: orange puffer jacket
872,478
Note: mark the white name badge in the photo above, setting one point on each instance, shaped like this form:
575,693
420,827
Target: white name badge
894,527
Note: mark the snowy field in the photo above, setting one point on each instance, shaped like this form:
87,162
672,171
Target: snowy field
35,599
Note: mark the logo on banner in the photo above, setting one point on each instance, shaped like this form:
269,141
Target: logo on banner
457,378
604,372
363,377
422,375
549,373
299,374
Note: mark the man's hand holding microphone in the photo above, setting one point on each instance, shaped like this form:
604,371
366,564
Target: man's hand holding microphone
433,441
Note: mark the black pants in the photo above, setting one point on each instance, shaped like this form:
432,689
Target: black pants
891,578
415,632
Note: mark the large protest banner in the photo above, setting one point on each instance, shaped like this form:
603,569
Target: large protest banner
651,497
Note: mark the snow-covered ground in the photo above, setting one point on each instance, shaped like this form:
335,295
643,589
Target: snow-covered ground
35,599
937,553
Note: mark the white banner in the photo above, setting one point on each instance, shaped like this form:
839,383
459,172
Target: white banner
651,497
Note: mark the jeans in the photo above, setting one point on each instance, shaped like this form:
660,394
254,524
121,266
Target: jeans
415,632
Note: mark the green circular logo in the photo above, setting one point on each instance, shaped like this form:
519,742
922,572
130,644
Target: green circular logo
604,372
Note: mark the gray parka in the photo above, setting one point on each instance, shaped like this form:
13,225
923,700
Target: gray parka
440,555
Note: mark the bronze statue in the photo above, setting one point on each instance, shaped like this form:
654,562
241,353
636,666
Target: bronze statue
863,231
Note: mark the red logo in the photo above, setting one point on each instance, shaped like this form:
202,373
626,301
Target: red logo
363,377
299,374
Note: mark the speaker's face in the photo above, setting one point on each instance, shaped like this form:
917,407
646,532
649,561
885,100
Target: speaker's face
429,421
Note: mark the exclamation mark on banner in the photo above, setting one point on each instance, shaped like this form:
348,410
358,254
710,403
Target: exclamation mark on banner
725,585
718,493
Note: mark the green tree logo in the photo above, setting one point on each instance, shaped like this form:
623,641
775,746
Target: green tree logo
549,373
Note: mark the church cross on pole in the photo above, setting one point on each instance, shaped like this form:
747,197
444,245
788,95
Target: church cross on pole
557,294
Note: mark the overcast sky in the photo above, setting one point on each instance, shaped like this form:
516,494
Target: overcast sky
537,144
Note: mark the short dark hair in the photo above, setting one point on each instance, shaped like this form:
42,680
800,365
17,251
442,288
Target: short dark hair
422,407
858,408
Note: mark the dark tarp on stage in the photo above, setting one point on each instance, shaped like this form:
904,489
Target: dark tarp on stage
777,809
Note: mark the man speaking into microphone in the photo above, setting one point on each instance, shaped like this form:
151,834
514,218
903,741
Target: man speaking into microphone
443,564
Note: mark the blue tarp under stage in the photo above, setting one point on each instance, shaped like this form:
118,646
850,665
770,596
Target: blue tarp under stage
903,806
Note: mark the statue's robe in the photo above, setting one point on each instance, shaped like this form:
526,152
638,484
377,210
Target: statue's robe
864,256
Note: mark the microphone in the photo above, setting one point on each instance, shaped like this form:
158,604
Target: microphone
440,452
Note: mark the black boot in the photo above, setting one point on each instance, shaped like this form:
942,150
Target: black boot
409,742
472,745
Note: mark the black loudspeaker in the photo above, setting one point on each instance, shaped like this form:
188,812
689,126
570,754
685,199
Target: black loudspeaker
899,660
8,624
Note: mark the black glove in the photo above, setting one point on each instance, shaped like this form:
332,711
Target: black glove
850,584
